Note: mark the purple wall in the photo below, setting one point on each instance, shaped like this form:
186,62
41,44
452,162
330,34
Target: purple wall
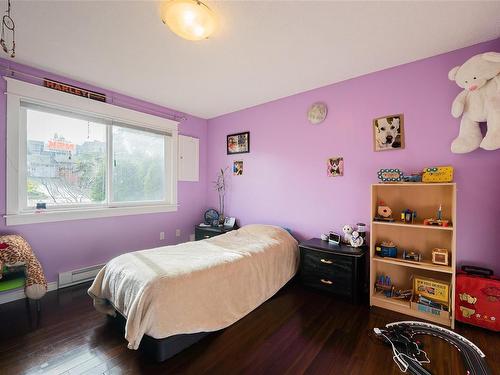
284,180
63,246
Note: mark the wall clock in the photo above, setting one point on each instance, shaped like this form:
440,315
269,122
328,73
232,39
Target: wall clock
317,113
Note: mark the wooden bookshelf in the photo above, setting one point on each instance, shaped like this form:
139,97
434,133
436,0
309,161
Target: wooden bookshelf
424,199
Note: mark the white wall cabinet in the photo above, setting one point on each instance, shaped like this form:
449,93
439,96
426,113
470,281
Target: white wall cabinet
189,158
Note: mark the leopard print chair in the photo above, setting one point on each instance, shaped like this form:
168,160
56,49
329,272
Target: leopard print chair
16,251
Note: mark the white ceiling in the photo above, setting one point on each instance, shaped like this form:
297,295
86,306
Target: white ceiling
262,51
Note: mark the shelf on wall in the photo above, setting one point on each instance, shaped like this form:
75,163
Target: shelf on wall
418,225
419,265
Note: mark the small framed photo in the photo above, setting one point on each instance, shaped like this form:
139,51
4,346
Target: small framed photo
238,143
388,133
237,168
335,166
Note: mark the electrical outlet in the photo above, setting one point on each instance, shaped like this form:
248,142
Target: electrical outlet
177,233
191,237
162,236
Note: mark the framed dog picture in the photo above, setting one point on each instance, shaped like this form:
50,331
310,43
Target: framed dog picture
335,166
238,143
388,133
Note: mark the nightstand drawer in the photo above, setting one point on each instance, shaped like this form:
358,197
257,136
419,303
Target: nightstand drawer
201,234
316,261
331,275
329,282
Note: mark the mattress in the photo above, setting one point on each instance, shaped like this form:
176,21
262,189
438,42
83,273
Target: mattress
193,287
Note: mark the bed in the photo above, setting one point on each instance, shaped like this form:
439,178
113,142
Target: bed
173,295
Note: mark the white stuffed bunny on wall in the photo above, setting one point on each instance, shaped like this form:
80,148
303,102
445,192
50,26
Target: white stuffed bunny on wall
478,102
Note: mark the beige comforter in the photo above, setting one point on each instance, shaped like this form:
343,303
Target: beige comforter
198,286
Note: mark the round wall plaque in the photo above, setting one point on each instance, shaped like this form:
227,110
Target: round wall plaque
317,113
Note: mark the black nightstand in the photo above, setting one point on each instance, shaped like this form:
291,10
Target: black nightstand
201,233
339,270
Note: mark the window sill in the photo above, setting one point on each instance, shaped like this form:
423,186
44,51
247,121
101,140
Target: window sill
51,216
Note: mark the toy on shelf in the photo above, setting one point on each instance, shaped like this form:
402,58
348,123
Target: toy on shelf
384,213
386,249
430,303
440,256
440,213
413,177
347,229
413,256
408,216
438,174
384,285
431,296
428,175
390,175
437,222
356,239
435,290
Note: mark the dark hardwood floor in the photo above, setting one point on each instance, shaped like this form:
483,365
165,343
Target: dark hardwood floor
299,331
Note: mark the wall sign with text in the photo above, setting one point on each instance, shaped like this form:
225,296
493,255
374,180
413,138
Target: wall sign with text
54,85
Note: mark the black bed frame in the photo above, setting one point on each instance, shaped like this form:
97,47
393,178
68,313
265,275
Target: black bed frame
162,349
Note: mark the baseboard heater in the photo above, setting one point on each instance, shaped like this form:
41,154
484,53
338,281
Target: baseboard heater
81,275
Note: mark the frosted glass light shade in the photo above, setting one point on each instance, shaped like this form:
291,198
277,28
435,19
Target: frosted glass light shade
190,19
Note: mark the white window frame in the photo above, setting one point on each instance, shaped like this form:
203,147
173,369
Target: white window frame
19,91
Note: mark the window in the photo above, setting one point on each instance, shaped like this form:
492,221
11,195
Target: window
76,159
138,166
66,159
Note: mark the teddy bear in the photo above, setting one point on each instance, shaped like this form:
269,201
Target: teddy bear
347,229
478,102
14,251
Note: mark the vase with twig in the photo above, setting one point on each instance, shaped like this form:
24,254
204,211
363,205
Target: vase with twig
220,186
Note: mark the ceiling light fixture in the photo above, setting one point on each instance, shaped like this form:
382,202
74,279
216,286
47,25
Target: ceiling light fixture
189,19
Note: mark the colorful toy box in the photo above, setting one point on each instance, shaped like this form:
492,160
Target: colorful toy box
438,174
435,290
477,298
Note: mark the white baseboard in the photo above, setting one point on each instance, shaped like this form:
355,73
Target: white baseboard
19,293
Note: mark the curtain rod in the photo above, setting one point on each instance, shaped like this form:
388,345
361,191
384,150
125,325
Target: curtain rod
113,99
